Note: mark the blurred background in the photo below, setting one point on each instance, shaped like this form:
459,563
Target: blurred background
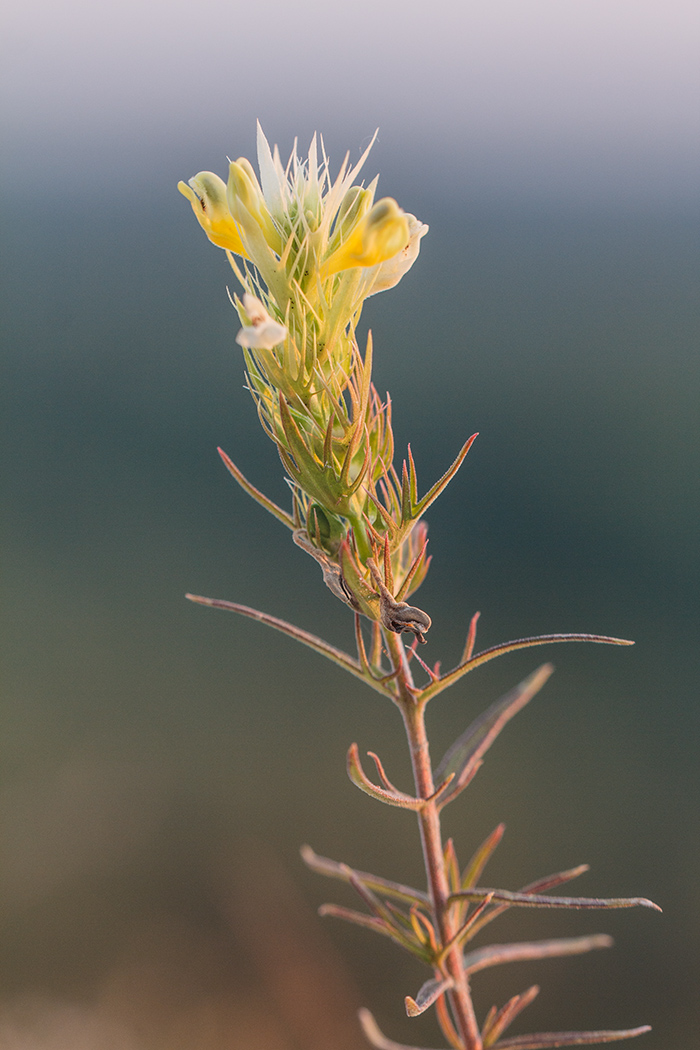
161,763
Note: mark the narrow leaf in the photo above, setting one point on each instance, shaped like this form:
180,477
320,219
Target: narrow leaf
444,481
413,478
477,739
537,900
451,865
428,994
541,885
382,775
471,639
406,507
358,918
446,1024
463,933
422,927
362,781
386,887
509,647
374,1035
297,445
507,1014
336,656
360,642
549,881
383,912
377,925
488,1024
476,865
544,1040
356,583
496,954
258,496
420,563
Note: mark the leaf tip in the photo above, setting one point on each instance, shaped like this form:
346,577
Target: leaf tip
412,1007
307,854
198,598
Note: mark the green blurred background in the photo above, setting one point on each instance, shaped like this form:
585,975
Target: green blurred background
150,747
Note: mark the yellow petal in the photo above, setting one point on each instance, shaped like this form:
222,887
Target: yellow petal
378,236
390,272
207,195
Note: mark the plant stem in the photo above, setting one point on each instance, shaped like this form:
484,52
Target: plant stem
413,713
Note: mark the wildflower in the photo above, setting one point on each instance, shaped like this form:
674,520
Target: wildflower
379,236
390,272
313,248
207,195
301,229
262,332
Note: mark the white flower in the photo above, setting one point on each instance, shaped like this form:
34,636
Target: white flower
262,332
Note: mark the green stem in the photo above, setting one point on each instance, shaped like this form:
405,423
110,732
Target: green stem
413,712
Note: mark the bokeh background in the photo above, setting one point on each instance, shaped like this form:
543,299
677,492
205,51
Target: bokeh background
161,763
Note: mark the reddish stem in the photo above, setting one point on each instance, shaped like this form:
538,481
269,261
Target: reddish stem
446,918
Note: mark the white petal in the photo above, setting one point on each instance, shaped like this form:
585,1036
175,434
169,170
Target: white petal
262,336
263,332
255,309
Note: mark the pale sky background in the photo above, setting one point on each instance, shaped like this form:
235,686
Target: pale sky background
546,97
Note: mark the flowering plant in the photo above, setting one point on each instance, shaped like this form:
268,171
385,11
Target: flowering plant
308,250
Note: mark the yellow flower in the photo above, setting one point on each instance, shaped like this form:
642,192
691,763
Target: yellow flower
207,195
390,272
380,235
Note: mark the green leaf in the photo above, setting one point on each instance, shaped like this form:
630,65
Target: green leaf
472,872
444,481
461,758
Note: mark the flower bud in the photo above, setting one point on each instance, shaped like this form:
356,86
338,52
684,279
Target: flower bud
207,195
246,202
353,206
378,236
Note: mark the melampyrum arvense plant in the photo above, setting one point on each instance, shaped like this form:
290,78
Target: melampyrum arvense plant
308,250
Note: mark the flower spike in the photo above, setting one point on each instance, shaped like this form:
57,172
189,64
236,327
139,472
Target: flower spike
307,250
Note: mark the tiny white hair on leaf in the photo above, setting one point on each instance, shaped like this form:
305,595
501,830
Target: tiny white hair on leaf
263,332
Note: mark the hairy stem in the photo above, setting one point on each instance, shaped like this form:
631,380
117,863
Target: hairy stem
413,712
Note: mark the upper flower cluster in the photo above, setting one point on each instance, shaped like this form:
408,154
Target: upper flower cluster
308,250
315,240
